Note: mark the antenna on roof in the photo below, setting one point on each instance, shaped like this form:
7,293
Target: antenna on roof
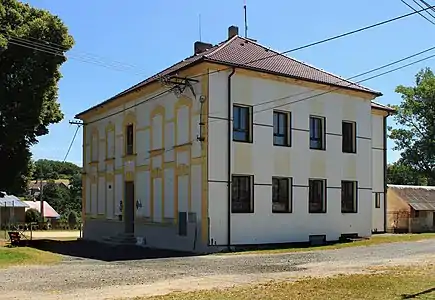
246,18
199,28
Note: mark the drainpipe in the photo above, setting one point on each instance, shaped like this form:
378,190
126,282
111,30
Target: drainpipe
385,171
230,140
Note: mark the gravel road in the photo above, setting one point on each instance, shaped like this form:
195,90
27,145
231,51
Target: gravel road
86,278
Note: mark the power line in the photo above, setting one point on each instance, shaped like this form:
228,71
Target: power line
324,40
72,142
350,78
363,80
427,19
427,5
422,6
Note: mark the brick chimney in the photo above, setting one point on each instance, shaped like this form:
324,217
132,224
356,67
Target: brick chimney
233,31
200,47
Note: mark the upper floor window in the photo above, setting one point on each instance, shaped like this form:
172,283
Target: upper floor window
242,194
349,137
281,195
281,128
242,123
317,133
129,141
317,196
349,191
94,146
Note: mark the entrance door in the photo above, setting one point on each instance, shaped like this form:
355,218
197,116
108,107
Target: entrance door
129,207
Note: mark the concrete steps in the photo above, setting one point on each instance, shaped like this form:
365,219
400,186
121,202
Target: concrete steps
121,239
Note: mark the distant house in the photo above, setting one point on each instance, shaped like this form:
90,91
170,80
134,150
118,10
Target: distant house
411,208
12,210
34,187
49,212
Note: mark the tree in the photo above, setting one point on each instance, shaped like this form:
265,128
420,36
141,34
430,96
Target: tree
57,196
32,215
53,169
416,116
28,85
402,174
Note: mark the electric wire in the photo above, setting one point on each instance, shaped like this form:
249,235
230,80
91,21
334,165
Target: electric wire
421,14
72,142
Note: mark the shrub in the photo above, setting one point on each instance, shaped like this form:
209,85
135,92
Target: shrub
72,219
32,215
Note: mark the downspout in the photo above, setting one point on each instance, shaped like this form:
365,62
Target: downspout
385,171
230,140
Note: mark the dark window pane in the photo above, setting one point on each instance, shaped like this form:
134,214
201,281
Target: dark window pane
348,197
316,133
129,139
317,196
241,123
281,197
281,129
348,138
241,194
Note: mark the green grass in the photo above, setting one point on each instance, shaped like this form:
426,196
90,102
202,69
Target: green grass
374,240
390,284
11,256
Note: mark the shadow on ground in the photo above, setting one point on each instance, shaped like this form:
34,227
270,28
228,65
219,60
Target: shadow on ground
417,295
103,252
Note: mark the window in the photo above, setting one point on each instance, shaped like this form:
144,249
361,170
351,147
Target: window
377,200
349,137
242,194
416,214
129,132
317,133
281,128
317,196
281,195
242,123
349,191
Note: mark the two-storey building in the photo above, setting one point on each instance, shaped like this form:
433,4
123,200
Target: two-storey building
234,145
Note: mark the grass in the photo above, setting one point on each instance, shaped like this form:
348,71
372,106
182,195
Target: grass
12,256
390,284
374,240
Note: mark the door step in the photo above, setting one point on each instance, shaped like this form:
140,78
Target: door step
121,239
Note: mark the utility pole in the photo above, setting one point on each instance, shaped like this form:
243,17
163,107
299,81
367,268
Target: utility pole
41,200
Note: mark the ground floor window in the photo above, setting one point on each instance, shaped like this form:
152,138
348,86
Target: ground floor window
281,195
242,194
317,196
349,192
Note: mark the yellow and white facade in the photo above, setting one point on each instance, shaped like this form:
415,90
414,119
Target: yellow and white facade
174,171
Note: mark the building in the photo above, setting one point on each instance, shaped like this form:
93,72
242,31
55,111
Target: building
411,208
12,210
49,212
157,164
34,187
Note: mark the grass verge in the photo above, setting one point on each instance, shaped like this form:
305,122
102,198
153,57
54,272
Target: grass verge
374,240
391,284
11,256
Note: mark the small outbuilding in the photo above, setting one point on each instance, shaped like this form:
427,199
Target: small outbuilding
411,208
12,210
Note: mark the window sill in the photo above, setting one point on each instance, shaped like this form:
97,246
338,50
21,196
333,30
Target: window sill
349,152
156,152
349,212
317,212
281,212
318,149
95,162
242,212
284,146
241,141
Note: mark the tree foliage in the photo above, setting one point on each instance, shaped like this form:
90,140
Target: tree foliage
53,169
415,136
28,85
402,174
32,215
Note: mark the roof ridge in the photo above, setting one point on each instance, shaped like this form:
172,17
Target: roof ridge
220,47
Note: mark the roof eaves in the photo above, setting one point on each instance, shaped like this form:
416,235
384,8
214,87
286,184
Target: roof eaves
378,106
244,66
142,84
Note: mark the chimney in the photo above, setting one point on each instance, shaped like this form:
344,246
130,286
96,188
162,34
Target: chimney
233,31
200,47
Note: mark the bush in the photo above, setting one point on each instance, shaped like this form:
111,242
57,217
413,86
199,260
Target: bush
72,219
32,215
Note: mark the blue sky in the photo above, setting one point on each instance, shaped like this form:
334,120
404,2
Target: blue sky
144,37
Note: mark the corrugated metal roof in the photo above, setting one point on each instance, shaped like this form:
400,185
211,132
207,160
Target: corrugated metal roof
11,201
245,53
418,197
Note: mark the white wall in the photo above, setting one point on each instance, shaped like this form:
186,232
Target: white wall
167,176
263,160
378,171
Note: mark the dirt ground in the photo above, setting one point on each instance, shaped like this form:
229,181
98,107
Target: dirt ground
95,271
54,234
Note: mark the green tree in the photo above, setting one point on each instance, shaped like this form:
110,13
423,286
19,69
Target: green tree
32,215
53,169
402,174
57,196
28,85
416,117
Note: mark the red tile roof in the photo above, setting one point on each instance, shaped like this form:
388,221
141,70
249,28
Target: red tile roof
382,107
247,54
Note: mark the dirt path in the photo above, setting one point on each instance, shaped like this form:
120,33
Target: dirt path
92,279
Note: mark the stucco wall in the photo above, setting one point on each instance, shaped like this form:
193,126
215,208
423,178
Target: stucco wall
166,167
263,160
378,171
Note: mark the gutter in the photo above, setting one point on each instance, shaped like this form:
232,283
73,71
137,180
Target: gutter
230,140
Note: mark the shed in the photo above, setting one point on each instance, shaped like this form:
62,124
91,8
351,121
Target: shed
49,212
411,208
12,210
